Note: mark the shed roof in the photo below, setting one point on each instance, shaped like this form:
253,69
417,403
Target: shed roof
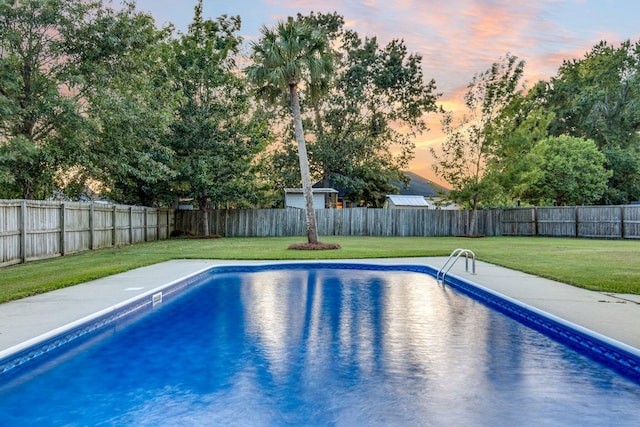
314,190
403,200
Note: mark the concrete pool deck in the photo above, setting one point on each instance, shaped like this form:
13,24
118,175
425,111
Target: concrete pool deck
615,316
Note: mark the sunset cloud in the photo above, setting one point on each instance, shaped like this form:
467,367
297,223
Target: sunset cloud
457,38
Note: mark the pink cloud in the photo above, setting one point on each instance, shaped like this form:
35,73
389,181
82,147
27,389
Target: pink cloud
460,38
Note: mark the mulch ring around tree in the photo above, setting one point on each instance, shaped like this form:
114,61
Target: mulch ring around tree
314,246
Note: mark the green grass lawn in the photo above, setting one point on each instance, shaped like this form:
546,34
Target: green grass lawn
603,265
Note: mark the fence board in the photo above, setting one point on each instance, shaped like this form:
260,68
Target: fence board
31,229
631,222
519,222
77,234
163,224
42,230
102,226
604,222
10,233
556,221
123,225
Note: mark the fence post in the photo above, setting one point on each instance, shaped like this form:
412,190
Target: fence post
63,228
114,230
156,228
168,223
131,225
622,233
577,222
23,231
145,223
92,228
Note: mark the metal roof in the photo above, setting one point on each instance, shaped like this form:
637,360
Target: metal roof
314,190
402,200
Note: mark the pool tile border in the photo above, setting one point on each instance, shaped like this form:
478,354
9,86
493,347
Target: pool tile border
92,325
616,355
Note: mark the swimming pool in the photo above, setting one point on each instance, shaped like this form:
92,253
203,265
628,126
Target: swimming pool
319,344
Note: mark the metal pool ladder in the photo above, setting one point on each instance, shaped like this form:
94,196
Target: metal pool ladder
457,253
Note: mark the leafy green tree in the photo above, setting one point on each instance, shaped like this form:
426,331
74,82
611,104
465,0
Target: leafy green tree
79,99
469,144
514,132
40,125
624,184
567,170
124,85
598,97
364,131
288,56
215,135
361,133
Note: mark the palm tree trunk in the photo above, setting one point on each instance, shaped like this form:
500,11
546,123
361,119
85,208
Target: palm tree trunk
474,213
312,228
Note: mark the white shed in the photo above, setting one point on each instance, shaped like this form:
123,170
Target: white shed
322,198
396,201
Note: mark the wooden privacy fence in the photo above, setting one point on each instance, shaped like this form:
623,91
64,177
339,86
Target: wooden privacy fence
605,222
31,230
340,222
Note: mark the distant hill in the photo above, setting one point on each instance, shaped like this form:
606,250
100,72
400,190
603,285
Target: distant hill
419,186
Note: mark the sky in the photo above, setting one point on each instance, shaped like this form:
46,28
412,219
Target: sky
456,38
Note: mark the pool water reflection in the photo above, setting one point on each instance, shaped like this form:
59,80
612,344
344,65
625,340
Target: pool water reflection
323,347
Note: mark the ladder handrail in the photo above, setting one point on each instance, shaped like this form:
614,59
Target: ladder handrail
457,253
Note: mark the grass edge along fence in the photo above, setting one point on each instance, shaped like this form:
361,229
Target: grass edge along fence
33,229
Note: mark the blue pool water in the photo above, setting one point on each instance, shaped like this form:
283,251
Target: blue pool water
319,346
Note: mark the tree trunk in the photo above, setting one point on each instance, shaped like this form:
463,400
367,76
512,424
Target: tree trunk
474,212
312,228
472,225
203,223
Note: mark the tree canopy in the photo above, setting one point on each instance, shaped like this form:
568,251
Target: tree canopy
470,141
80,97
99,102
566,171
598,97
41,122
214,135
595,98
361,133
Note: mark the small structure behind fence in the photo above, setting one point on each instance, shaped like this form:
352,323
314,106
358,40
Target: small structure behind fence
31,230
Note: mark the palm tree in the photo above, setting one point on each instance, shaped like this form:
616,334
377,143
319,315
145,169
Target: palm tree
287,56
